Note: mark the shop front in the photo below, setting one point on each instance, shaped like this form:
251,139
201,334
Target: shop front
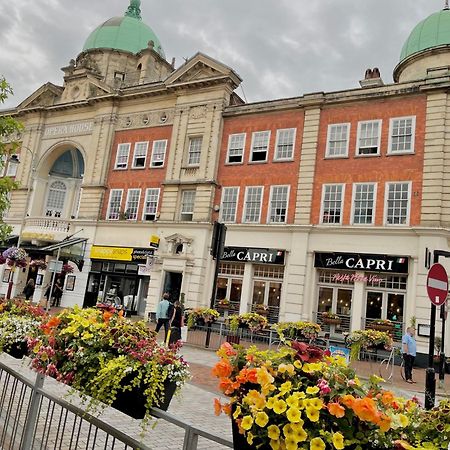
356,290
119,275
251,280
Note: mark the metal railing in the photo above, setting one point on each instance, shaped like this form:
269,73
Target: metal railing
396,331
32,417
333,329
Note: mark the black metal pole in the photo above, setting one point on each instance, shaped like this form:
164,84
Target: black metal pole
442,352
213,299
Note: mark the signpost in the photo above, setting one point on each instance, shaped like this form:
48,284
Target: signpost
437,289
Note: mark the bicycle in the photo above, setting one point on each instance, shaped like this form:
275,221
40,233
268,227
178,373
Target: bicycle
387,365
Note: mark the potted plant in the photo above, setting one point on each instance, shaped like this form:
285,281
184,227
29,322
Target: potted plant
296,330
223,305
201,316
15,257
109,359
39,264
262,309
299,398
330,318
368,340
381,325
255,322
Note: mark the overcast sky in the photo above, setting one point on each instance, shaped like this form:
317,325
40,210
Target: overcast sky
281,48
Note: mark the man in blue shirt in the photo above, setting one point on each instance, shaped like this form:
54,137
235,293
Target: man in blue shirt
409,353
162,314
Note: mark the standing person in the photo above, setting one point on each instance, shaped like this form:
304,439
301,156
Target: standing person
57,293
409,353
162,314
28,290
176,322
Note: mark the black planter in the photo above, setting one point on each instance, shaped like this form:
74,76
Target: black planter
132,403
17,350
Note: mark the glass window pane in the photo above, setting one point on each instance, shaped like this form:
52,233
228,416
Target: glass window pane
374,305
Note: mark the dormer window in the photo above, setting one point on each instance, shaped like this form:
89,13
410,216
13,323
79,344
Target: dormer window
120,76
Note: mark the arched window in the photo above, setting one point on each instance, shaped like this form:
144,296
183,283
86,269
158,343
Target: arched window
55,200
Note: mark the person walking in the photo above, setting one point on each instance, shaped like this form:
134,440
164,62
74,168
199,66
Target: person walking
176,322
409,353
57,293
28,290
162,315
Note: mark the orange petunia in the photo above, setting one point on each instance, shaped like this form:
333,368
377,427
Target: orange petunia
52,323
384,422
226,408
348,400
222,369
366,409
335,409
107,316
217,407
247,375
227,386
387,398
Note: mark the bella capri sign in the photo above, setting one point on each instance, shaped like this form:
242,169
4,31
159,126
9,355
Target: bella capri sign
362,262
253,255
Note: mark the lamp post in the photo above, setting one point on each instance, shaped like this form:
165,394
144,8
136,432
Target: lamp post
15,160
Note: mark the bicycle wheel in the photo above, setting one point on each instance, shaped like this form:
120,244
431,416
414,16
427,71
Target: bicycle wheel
402,370
386,369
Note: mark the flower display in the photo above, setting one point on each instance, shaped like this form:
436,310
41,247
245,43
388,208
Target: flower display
18,307
224,303
296,330
329,315
253,321
15,256
103,355
67,268
200,316
367,340
38,263
301,398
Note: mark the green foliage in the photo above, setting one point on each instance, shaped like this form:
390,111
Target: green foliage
204,314
292,330
253,321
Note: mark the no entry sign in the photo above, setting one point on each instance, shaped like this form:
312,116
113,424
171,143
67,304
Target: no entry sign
437,284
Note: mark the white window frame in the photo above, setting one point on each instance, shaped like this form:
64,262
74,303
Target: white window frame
144,209
374,206
108,212
329,131
358,138
10,168
144,145
408,206
230,138
269,209
187,212
322,204
126,146
191,153
247,189
254,135
294,136
153,162
137,205
222,208
413,136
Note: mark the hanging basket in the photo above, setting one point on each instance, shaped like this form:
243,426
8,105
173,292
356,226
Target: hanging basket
331,321
381,327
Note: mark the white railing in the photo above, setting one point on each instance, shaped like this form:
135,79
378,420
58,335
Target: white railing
48,224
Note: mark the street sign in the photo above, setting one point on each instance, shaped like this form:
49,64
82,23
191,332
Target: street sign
55,266
437,284
154,241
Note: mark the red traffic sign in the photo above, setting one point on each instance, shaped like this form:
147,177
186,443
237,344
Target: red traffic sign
437,284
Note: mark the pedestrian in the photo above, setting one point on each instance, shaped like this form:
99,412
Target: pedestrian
409,353
57,293
28,290
176,322
162,314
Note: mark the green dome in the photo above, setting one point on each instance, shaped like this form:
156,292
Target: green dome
126,33
432,32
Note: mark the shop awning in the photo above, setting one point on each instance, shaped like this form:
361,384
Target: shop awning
64,244
72,249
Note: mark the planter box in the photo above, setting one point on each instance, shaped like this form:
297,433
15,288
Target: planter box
233,339
389,328
330,321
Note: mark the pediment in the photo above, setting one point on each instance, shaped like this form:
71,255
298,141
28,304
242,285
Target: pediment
82,88
178,238
46,95
202,68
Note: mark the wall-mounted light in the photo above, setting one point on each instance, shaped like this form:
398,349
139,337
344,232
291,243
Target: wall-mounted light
216,208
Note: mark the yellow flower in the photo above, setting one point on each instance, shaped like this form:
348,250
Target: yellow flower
404,421
237,412
293,415
338,441
312,390
312,413
300,434
292,400
315,403
261,419
273,432
263,376
256,399
247,422
288,431
289,368
291,443
317,444
285,387
250,438
297,364
279,406
275,444
270,402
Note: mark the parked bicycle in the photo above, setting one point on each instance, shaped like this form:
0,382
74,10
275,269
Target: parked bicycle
387,365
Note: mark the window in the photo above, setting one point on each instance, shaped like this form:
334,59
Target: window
187,205
364,203
368,142
151,204
195,148
236,144
279,196
337,140
397,203
253,199
401,135
119,76
332,197
229,204
11,169
159,153
140,155
285,144
260,146
115,201
132,205
123,150
56,198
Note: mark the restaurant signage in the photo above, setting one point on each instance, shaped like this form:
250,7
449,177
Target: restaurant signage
132,254
254,255
362,261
